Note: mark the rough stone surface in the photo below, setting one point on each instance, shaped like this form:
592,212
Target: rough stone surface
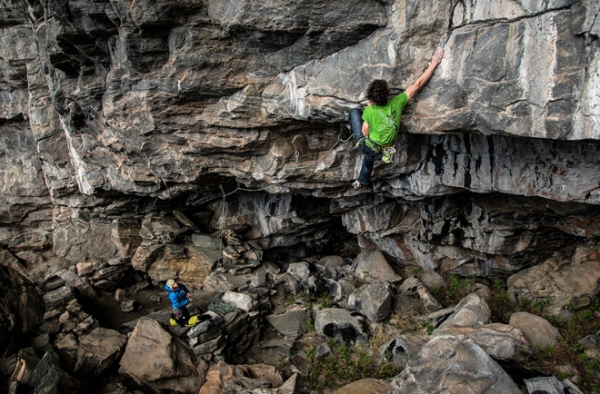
373,300
291,323
365,386
114,111
341,324
153,357
451,364
562,282
22,309
98,350
500,341
371,266
538,331
470,311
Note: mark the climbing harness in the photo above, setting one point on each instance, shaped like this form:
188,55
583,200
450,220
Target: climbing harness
387,153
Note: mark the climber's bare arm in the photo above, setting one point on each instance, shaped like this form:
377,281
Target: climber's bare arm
365,129
422,80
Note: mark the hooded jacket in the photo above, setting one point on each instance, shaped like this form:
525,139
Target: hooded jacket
178,297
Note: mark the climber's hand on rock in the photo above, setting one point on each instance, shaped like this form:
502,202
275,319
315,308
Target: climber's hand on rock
437,57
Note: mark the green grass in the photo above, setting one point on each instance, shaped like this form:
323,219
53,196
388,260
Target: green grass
346,364
457,289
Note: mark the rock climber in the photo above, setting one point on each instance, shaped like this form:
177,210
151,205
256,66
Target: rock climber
377,129
180,298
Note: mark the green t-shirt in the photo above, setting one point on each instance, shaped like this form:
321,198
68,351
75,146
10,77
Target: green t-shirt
384,120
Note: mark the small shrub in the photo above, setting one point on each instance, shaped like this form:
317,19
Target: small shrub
325,301
428,326
456,290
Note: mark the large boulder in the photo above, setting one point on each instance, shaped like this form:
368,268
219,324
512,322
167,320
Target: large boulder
372,300
540,333
371,266
564,283
501,341
341,324
154,358
241,379
292,323
98,351
453,365
470,311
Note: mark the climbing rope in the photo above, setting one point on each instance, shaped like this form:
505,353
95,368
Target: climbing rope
219,307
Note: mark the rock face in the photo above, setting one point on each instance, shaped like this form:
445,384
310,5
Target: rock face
451,365
133,131
21,307
111,105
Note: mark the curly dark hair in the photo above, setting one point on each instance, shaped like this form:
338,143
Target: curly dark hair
379,92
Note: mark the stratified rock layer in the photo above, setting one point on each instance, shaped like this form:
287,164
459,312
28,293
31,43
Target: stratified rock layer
111,111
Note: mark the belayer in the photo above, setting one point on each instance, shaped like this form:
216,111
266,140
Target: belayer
376,130
180,298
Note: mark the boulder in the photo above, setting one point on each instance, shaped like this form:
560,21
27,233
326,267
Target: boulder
240,379
500,341
154,358
67,349
414,286
453,365
371,266
549,385
239,300
400,350
341,324
98,351
207,241
538,331
300,271
59,297
45,378
292,323
470,310
564,283
372,300
331,261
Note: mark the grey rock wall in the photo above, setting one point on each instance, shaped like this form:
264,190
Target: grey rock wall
113,109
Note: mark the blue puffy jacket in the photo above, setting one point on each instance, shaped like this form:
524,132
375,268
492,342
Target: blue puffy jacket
178,297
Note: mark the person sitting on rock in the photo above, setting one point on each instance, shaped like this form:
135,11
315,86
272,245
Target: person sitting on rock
180,298
376,130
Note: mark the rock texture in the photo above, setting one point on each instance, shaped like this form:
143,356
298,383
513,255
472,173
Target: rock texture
108,105
147,140
452,365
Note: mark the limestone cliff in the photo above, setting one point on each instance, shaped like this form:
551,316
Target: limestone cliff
112,110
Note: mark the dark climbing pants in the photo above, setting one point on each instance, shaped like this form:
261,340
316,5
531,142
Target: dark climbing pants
369,156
